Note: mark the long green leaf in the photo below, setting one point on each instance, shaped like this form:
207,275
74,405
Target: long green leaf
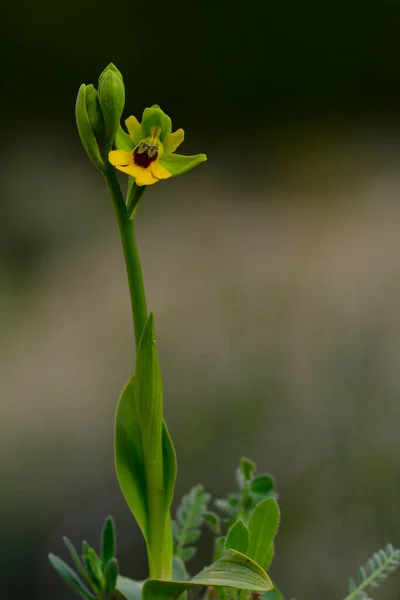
150,406
144,455
129,463
169,476
263,526
233,569
108,540
70,577
76,559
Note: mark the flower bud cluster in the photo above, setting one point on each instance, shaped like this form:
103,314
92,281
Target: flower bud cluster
98,113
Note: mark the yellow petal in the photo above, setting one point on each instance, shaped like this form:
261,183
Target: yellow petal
173,140
144,177
120,158
135,129
159,171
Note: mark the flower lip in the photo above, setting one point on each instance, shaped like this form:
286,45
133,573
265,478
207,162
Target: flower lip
144,154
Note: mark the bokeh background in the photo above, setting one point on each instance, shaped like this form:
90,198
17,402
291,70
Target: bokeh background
273,271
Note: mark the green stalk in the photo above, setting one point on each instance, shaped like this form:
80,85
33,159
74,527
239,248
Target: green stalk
131,255
158,539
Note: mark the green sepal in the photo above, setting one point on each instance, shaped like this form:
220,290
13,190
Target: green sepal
123,141
263,526
233,569
112,102
238,537
177,164
108,540
70,578
93,109
155,117
111,574
85,129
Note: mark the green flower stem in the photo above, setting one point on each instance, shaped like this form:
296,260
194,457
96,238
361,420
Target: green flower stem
131,255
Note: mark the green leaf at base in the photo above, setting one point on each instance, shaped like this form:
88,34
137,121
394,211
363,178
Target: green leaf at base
233,569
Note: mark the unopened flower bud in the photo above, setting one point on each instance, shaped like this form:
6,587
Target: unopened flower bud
93,109
112,101
85,128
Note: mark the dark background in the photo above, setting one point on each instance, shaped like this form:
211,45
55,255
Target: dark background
273,270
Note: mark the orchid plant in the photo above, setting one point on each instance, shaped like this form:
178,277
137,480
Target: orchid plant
245,523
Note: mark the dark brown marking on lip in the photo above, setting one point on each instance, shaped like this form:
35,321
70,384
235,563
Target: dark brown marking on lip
145,154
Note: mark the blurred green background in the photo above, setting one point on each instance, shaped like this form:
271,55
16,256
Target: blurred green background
273,270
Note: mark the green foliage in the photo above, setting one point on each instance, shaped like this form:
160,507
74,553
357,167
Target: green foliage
377,569
190,516
238,537
70,578
144,454
129,588
252,490
263,526
100,575
231,570
108,540
145,459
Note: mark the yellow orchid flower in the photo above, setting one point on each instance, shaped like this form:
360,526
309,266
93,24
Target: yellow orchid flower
147,153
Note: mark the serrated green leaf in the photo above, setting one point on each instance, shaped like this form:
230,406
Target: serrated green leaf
263,526
70,578
108,540
232,570
378,567
189,518
129,588
238,537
